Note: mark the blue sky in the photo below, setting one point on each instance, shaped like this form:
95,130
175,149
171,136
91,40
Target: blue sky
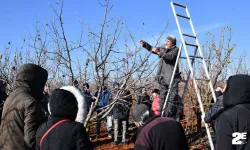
19,17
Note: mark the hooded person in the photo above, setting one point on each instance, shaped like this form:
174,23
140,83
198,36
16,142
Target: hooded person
61,131
156,133
236,115
22,113
82,103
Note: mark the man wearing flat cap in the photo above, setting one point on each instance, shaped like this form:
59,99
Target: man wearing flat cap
168,54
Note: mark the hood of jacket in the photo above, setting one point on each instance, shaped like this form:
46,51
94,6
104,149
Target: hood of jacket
82,103
237,91
32,79
63,104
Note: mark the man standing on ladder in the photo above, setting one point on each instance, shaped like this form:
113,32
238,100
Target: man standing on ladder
168,54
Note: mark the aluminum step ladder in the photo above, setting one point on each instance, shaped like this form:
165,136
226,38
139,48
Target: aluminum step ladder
190,61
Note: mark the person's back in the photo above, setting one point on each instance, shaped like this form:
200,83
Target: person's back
236,116
162,133
67,134
157,133
63,137
236,119
22,113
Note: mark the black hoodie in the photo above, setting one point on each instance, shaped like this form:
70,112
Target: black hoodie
236,117
68,135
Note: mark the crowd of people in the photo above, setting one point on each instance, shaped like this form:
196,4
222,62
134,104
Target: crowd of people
34,117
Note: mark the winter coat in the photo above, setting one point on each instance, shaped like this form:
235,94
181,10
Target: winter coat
160,133
122,107
156,106
215,110
69,135
166,65
22,113
144,99
236,116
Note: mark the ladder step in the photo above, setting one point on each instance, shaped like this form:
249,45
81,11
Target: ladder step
191,44
189,35
182,16
195,56
203,79
179,5
191,56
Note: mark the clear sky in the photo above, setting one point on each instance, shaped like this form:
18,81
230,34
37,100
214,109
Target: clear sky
18,17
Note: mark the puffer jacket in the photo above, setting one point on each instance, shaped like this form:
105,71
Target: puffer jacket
22,113
68,135
236,116
166,65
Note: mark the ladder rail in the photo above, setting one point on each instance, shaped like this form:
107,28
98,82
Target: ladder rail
192,73
202,55
171,81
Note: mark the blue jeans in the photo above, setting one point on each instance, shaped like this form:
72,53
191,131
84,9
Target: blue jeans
108,125
116,129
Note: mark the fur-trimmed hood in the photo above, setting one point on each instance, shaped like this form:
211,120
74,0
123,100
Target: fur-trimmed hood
82,104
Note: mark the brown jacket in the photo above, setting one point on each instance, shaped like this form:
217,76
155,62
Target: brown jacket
21,113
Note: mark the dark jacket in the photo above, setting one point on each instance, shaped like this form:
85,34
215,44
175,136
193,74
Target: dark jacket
122,107
3,97
22,113
70,135
144,99
236,117
160,133
88,98
44,103
216,109
166,65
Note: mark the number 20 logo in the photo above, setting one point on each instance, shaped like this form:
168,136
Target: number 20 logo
239,138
